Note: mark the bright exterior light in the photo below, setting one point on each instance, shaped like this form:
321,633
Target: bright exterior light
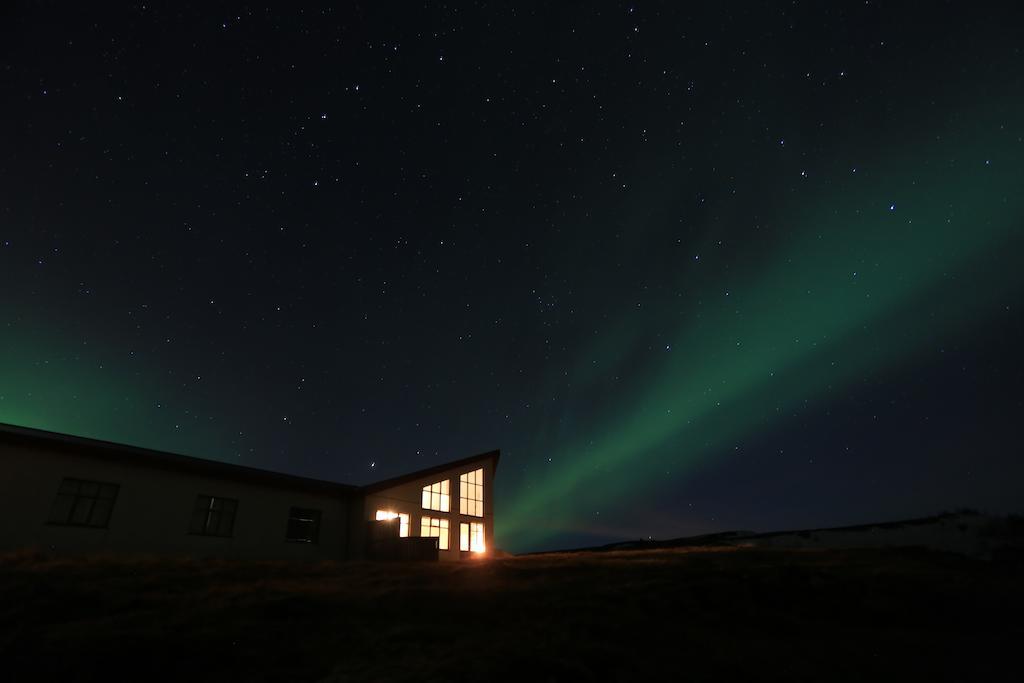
471,537
403,524
476,537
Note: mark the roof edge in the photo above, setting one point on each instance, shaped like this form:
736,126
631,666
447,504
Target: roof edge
494,455
110,450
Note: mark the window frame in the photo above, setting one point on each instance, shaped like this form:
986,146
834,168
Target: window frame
468,526
444,525
442,495
317,517
76,499
469,502
209,509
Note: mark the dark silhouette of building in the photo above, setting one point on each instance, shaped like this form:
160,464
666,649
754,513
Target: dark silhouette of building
71,495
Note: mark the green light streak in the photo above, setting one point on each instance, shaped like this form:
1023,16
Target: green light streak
880,268
48,383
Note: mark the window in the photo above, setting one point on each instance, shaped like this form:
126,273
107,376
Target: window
83,503
471,493
303,526
403,520
213,516
433,526
471,537
435,496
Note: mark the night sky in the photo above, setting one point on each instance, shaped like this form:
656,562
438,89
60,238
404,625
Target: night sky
690,267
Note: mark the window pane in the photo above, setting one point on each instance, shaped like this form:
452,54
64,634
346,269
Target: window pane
437,496
227,516
476,537
471,493
82,510
60,512
101,512
88,488
223,525
198,523
212,522
69,486
463,536
314,524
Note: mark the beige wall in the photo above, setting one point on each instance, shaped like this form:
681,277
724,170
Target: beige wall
154,508
406,498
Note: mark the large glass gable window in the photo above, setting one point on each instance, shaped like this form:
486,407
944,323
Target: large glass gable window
435,527
471,493
437,496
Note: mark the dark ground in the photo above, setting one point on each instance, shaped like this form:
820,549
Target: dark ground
708,614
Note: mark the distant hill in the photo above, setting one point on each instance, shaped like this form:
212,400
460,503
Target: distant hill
966,532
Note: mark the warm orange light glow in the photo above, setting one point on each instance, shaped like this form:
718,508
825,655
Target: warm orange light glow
403,524
476,537
434,526
471,493
471,537
437,496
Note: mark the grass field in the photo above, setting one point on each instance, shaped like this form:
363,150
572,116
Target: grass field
675,614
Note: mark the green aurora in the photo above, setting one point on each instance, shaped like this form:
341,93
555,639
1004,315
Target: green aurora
48,382
901,253
909,249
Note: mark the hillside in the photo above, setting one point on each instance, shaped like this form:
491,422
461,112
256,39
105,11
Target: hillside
701,614
965,532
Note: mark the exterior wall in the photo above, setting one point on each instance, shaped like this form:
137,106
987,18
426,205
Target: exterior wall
154,508
406,497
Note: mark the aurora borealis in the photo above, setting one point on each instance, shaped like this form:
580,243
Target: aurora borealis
690,268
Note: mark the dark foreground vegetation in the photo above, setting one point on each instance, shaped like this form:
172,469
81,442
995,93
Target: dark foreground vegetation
699,614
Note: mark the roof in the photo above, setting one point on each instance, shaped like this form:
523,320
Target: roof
108,450
436,469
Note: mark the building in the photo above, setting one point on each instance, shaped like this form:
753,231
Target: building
70,495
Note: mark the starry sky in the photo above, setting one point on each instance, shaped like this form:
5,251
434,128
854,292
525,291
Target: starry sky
691,267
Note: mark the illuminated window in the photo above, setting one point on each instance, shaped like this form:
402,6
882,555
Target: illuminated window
403,520
471,537
303,526
471,493
83,503
435,496
438,528
213,516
